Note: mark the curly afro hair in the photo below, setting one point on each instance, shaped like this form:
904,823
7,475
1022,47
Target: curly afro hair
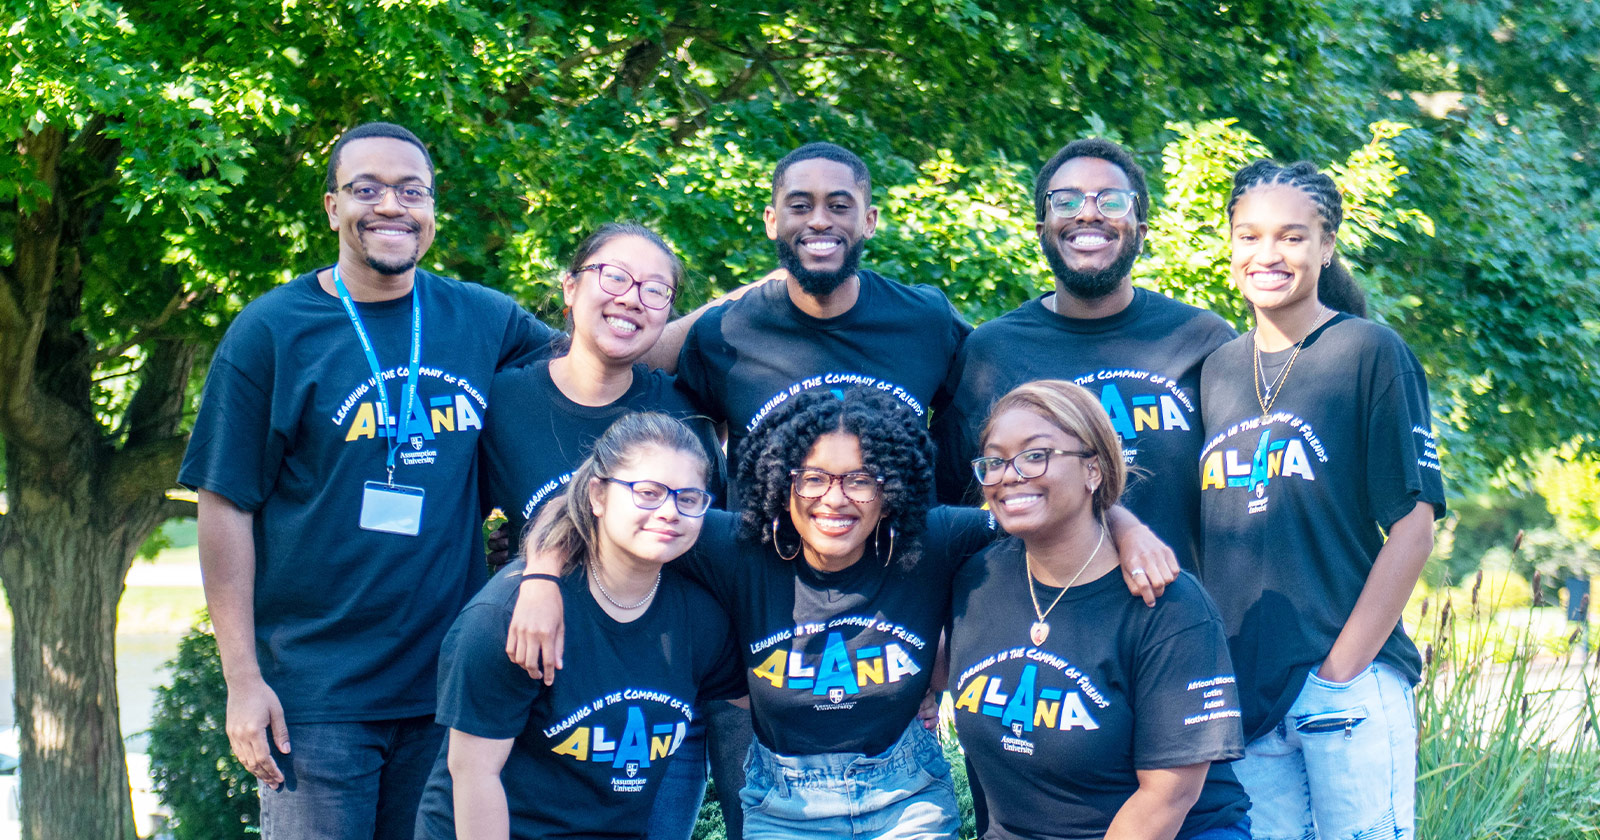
894,444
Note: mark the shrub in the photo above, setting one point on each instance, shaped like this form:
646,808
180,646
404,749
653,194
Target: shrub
210,794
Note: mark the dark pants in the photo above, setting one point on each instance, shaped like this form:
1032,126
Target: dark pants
351,781
730,736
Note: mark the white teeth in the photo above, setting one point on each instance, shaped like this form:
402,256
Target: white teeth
1270,276
821,247
1016,502
390,232
621,325
1089,240
830,522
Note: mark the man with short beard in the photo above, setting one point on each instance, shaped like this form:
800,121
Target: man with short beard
829,324
335,454
1139,350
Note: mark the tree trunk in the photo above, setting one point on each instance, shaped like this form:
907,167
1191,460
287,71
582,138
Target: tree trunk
67,552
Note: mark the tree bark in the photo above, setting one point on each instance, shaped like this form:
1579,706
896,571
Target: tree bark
63,567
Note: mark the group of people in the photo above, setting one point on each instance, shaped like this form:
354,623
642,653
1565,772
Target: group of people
1178,615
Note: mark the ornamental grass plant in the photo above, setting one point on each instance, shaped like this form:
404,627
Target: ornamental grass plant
1507,727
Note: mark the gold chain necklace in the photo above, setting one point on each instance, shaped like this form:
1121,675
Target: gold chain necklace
1041,628
1265,400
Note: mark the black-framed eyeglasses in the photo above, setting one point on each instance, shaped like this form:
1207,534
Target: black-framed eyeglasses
1029,463
649,495
811,483
1114,203
371,192
616,281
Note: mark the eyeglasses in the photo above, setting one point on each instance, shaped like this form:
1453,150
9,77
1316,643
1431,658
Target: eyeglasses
813,484
616,281
1029,463
649,495
1113,203
371,192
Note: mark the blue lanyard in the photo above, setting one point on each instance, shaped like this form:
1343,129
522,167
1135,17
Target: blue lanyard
400,421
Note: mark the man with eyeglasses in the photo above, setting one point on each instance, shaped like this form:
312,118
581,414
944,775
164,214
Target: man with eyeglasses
335,458
1139,350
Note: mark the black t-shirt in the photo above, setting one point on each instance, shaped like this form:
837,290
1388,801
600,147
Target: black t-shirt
1057,732
347,621
840,661
743,359
589,751
1143,362
537,436
1293,505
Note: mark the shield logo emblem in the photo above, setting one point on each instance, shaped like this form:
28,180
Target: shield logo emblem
633,769
1016,729
416,442
835,695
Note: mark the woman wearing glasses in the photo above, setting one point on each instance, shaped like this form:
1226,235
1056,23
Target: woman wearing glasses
1083,713
837,577
1319,486
585,757
619,289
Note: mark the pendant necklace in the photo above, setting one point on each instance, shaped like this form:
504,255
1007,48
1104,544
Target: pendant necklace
1266,398
594,574
1041,628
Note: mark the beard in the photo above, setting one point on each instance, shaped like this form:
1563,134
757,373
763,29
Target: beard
391,266
1091,285
820,283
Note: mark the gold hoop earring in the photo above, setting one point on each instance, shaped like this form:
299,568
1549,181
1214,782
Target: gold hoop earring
778,548
877,544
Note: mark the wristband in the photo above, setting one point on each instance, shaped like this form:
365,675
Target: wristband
541,576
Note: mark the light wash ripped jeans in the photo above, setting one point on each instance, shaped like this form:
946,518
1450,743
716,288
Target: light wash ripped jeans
1341,765
904,793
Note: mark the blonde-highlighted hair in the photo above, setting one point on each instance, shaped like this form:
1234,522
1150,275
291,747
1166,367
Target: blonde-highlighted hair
567,524
1074,410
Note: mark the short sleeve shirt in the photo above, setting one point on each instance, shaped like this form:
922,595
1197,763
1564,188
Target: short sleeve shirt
1056,732
348,621
1295,503
743,359
531,445
588,753
836,662
1144,364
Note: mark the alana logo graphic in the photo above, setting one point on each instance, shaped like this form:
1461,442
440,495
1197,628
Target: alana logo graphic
638,745
1294,456
1028,706
1142,413
444,414
834,676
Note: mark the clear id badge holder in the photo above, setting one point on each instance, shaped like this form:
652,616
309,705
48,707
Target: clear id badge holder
391,508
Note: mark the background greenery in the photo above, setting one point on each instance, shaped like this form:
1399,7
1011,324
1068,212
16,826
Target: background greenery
162,166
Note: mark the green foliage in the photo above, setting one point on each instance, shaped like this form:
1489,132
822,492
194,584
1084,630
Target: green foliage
1505,750
211,795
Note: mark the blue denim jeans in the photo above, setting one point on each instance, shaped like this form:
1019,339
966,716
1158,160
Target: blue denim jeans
1238,831
1341,764
904,793
351,781
677,805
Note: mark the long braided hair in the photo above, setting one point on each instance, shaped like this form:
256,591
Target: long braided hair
1336,287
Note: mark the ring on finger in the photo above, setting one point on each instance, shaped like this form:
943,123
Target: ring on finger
1137,572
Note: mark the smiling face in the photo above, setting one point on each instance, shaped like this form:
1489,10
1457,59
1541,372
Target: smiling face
1090,255
628,534
618,329
1279,248
385,237
1052,504
819,221
834,529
